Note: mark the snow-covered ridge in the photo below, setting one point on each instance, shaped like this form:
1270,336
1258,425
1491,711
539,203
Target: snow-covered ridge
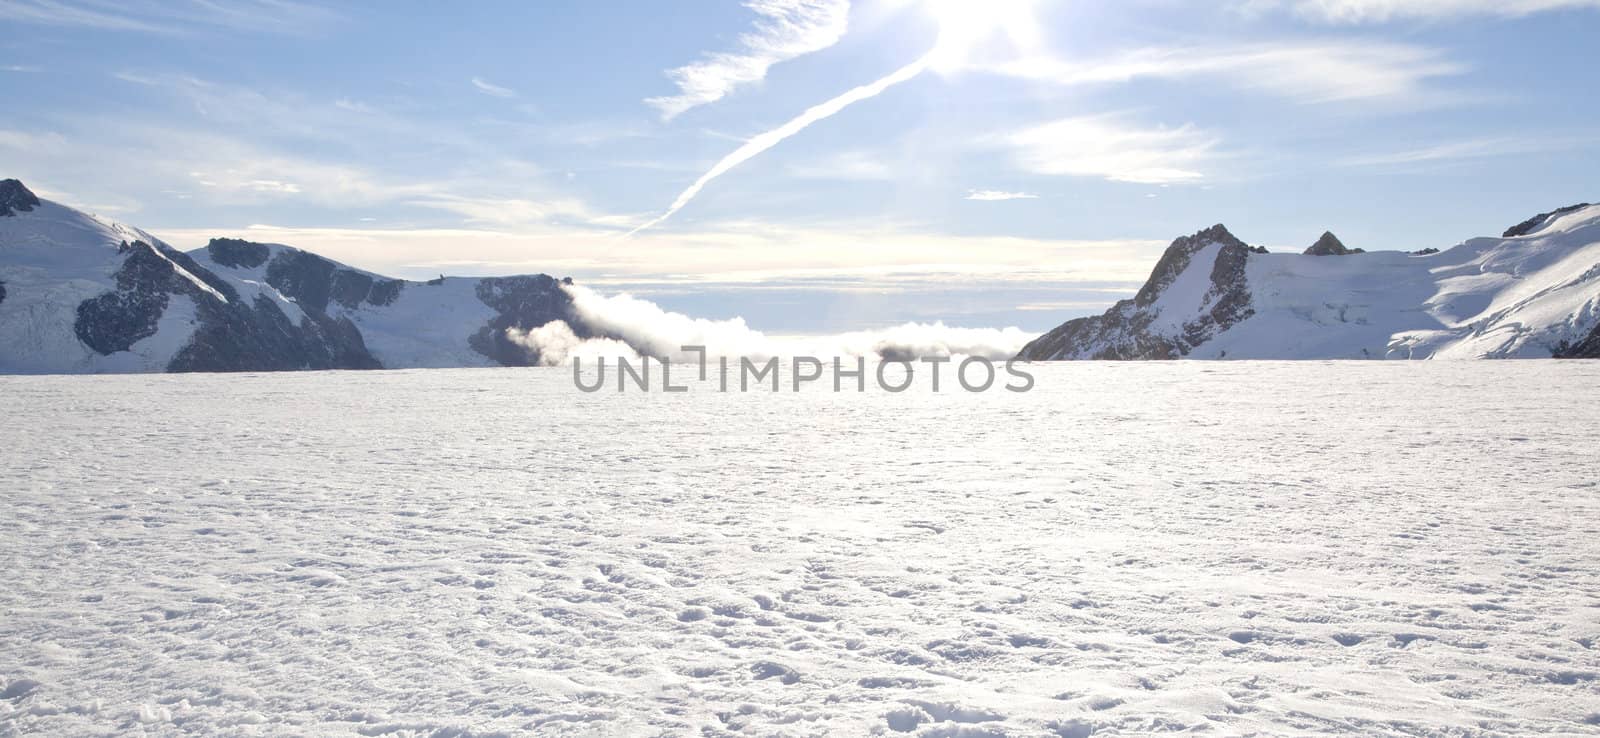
79,293
1531,293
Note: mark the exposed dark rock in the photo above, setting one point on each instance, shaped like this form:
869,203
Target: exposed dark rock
199,272
1176,259
1426,252
350,287
116,320
235,337
1588,348
238,254
1330,245
230,335
303,277
2,292
15,198
436,282
1538,221
523,303
385,291
314,282
1123,332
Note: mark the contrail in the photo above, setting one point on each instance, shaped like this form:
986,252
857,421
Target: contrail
773,137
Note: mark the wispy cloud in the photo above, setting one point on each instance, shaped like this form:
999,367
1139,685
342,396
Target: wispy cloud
20,68
760,143
491,89
1475,148
1320,71
787,29
998,195
845,166
1113,148
1378,11
173,17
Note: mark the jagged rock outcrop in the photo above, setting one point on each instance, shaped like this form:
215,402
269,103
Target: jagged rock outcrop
1197,289
1588,348
1538,221
15,198
116,320
1330,245
237,253
230,334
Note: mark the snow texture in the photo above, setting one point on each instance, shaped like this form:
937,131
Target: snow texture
1367,549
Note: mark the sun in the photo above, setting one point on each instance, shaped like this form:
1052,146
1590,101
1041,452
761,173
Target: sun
968,28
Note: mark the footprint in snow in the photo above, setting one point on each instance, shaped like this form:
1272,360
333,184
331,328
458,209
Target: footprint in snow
772,670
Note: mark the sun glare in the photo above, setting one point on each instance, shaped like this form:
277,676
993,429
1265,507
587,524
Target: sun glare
967,28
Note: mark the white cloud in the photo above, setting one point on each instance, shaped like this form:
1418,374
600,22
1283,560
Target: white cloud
173,16
1110,147
502,212
768,139
1476,148
491,89
998,195
1322,71
787,29
645,328
1378,11
849,165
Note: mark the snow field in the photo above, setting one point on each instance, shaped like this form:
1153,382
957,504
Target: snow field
1239,548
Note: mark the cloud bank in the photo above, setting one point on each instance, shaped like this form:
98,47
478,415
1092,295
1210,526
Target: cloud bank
636,327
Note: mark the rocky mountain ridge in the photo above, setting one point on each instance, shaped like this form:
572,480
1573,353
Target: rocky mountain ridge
1534,292
82,294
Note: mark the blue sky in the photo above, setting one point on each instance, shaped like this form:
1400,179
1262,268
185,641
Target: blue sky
1028,165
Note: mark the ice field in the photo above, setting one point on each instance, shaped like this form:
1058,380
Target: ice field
1369,549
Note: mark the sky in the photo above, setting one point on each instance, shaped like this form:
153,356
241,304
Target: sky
809,165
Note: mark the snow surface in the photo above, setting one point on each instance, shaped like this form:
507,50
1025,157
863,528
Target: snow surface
1368,549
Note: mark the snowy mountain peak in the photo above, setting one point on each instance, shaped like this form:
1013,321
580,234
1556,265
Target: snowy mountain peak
15,198
79,293
1196,291
1330,245
1532,294
1178,257
1539,222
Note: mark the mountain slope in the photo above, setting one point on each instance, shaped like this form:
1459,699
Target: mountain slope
84,294
1533,293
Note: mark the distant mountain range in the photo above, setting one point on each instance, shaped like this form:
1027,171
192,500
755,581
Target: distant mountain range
81,294
1534,292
